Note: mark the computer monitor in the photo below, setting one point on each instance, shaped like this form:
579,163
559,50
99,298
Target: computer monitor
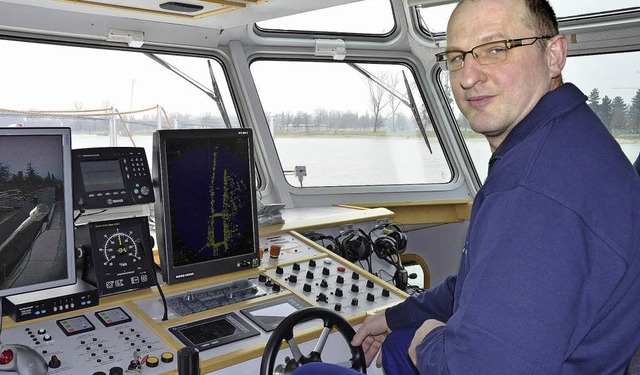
205,209
36,210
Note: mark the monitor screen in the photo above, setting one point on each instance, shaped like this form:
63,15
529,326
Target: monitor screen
36,210
102,175
206,206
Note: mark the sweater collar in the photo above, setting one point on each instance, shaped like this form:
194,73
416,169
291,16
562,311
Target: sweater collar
553,104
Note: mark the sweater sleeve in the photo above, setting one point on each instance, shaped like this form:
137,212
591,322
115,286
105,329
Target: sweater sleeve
531,269
435,303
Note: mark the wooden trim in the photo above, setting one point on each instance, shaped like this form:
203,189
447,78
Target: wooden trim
427,212
226,7
324,221
419,261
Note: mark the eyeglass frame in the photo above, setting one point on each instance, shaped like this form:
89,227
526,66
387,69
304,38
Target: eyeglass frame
441,58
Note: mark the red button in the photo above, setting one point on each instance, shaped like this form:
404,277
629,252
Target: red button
6,356
341,269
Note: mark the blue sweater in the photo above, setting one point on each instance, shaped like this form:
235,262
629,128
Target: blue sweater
549,280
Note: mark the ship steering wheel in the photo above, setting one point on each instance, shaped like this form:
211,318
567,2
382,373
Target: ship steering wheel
284,331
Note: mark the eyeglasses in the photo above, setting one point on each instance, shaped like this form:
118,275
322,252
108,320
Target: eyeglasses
485,54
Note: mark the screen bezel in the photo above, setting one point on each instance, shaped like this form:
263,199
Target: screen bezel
64,135
172,273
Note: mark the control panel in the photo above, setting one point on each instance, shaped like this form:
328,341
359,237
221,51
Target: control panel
111,340
110,177
288,248
330,283
116,254
243,313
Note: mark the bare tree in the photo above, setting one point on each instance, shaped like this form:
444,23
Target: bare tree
320,116
377,96
392,81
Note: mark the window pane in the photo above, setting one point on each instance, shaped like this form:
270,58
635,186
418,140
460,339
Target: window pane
434,19
614,95
362,17
95,90
345,128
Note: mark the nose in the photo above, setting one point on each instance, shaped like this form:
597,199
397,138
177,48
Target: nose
471,73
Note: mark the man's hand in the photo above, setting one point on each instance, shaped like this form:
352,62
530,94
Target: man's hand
421,333
371,335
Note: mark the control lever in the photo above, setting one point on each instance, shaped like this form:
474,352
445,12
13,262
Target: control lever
188,361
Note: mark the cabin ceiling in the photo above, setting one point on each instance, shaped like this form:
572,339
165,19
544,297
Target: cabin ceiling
216,14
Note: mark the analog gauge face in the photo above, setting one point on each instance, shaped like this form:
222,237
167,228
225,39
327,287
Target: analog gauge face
120,249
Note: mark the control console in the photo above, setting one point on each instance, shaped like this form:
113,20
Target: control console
108,341
330,283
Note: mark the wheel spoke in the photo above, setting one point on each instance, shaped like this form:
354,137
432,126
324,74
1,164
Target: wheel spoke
322,340
295,350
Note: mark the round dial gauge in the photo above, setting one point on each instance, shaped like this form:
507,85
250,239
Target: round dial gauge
120,248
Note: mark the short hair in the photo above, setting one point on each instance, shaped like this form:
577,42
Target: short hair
541,17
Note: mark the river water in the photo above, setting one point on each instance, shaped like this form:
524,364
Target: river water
355,161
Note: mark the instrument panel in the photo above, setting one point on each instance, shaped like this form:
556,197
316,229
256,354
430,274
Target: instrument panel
132,337
94,342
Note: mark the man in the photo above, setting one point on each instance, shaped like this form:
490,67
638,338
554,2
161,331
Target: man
549,280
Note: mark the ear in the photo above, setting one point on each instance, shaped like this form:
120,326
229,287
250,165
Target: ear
557,48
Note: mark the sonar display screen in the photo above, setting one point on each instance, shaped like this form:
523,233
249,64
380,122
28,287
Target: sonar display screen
211,199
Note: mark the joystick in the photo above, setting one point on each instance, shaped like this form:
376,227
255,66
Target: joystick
22,360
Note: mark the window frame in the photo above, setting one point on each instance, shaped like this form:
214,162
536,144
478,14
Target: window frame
309,34
409,61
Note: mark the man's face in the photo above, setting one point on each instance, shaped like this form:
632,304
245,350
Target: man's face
495,98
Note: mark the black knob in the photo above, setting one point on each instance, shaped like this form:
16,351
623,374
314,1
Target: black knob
279,270
369,284
326,271
323,284
385,292
310,275
338,307
322,297
293,279
116,371
338,292
99,373
371,297
306,288
262,278
188,361
296,267
355,288
54,362
275,288
340,279
312,263
354,302
355,275
133,365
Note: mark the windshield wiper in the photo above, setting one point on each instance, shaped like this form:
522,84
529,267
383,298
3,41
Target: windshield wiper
213,94
410,102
